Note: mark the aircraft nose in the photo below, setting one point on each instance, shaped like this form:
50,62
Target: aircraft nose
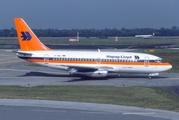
169,66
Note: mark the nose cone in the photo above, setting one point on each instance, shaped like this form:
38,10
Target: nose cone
169,66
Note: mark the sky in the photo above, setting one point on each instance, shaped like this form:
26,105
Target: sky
90,14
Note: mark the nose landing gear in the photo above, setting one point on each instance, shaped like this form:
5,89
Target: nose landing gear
152,74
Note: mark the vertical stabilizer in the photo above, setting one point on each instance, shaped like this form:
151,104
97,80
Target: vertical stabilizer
27,39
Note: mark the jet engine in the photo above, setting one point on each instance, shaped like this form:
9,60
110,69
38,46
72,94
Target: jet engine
97,74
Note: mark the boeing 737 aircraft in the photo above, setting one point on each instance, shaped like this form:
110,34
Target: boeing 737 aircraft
144,36
85,63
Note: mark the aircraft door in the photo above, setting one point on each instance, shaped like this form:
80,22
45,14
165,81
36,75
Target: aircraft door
46,59
98,60
146,62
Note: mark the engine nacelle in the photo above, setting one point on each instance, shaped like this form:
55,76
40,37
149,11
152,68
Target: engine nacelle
98,73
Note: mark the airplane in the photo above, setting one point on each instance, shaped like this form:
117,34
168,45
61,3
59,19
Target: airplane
95,64
144,36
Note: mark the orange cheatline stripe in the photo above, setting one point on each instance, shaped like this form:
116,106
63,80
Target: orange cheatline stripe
94,62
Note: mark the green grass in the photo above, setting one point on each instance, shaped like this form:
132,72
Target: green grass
111,41
150,97
96,41
8,40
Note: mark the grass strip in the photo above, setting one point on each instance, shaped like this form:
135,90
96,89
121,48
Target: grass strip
149,97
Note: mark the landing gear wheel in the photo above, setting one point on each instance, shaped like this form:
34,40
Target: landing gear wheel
150,77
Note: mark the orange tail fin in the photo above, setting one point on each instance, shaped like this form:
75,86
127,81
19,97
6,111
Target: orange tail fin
27,39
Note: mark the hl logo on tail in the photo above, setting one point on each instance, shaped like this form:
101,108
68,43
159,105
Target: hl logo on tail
26,36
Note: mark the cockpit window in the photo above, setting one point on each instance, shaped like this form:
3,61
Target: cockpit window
159,60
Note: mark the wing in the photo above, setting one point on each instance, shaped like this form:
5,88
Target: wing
90,71
88,68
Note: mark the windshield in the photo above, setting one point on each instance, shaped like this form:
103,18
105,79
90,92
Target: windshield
160,60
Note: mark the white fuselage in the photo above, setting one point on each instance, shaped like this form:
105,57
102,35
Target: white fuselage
111,61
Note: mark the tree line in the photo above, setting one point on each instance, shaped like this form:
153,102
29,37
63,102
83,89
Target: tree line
174,31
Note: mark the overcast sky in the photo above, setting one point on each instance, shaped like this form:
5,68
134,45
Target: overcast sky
87,14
